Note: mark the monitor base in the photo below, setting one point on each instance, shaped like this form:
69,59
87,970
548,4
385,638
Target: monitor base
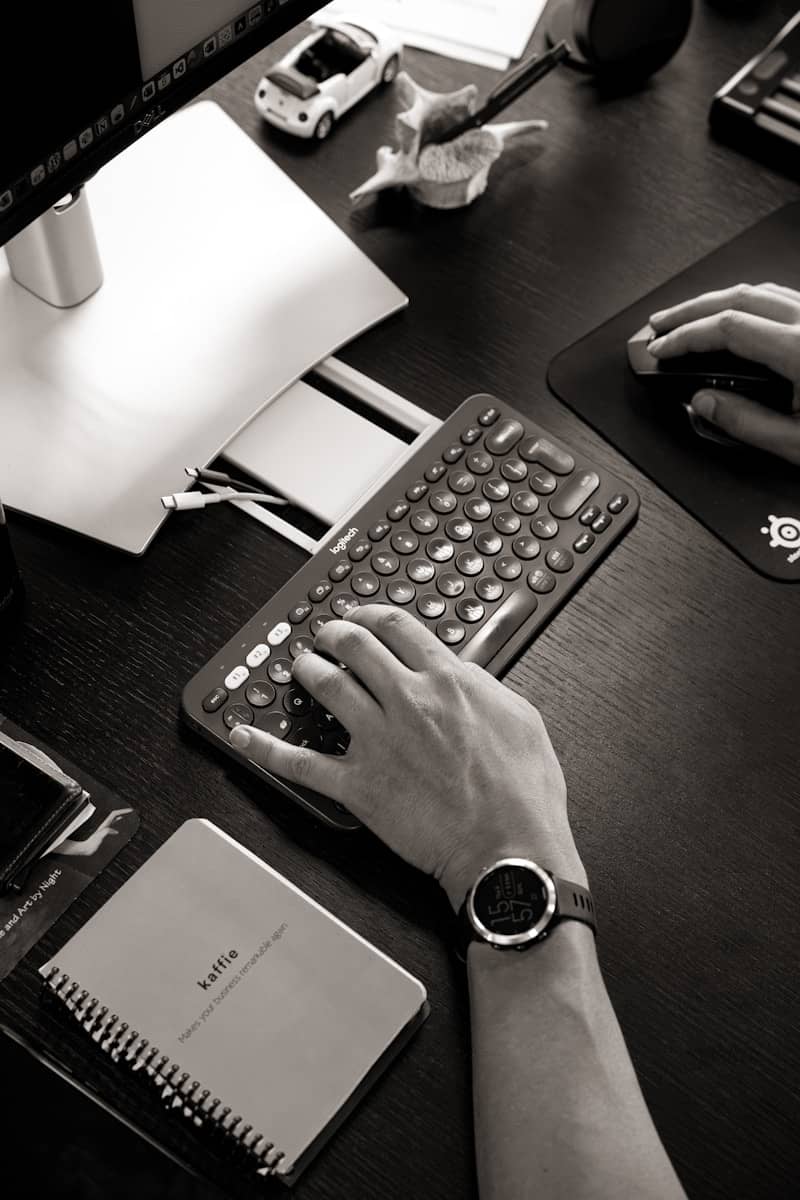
224,283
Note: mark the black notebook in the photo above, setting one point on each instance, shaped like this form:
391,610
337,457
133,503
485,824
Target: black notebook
253,1010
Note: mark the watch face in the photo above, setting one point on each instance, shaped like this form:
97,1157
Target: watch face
513,903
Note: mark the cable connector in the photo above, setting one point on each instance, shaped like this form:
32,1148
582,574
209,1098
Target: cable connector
181,501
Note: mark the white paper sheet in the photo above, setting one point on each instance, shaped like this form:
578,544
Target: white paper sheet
499,29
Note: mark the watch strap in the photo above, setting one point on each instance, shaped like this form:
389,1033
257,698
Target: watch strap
574,902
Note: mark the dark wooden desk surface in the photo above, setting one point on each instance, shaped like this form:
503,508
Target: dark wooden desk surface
670,684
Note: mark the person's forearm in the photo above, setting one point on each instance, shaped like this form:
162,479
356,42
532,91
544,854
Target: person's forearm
558,1109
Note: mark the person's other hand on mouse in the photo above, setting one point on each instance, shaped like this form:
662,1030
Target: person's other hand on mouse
761,323
446,765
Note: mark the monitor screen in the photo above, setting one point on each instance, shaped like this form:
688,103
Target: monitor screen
82,79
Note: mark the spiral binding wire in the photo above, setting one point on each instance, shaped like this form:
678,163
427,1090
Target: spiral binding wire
178,1090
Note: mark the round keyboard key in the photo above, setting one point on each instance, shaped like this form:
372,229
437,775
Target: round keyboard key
495,489
325,720
559,560
215,699
297,701
299,613
420,570
336,743
260,695
600,524
430,606
488,416
235,678
378,531
258,655
469,610
453,453
449,584
385,563
617,503
507,567
364,583
583,542
305,736
461,482
280,670
343,604
396,511
416,491
319,622
471,435
424,521
479,462
507,522
543,482
404,541
477,509
340,570
401,591
544,527
451,631
524,502
589,514
541,580
301,645
320,591
525,546
458,529
279,633
488,542
359,549
435,471
514,469
443,502
489,589
440,549
276,723
469,563
238,714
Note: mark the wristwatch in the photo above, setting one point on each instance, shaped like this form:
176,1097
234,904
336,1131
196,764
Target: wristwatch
515,903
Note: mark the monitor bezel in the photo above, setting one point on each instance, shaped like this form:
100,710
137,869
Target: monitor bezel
70,178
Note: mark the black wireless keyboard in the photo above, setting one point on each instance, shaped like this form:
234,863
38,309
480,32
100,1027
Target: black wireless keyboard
482,535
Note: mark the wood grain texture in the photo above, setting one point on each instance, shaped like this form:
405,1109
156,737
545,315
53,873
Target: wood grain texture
670,683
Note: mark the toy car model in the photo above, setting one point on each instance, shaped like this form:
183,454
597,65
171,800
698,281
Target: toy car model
326,74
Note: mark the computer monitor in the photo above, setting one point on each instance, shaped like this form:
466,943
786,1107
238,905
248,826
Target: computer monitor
140,340
81,80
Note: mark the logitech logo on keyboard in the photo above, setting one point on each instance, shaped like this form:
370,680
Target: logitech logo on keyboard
343,540
784,534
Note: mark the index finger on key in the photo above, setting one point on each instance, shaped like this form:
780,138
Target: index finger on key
323,773
761,300
749,336
407,638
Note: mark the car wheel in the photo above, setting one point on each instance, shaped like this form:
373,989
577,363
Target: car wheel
391,69
324,126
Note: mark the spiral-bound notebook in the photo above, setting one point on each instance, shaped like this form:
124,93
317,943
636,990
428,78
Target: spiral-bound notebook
249,1006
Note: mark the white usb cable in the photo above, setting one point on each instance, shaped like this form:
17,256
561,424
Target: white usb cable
181,501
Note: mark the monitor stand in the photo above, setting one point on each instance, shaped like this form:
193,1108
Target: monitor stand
224,284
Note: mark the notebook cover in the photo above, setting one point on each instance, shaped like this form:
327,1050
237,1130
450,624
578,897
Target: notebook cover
748,498
252,988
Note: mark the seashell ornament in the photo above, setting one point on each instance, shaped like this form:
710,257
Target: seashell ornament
447,174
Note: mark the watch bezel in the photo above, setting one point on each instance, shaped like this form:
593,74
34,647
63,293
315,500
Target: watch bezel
510,940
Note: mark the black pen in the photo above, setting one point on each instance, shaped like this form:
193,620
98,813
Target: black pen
511,86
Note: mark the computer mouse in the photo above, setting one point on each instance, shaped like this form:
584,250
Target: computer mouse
688,373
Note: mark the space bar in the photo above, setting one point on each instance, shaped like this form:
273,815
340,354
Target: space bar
503,623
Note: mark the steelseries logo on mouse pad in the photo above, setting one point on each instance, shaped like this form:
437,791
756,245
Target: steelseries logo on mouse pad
784,534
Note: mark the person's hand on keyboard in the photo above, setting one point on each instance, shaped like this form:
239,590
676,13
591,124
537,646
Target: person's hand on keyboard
446,765
760,323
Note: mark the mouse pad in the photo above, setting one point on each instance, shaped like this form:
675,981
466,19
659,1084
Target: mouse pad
749,499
